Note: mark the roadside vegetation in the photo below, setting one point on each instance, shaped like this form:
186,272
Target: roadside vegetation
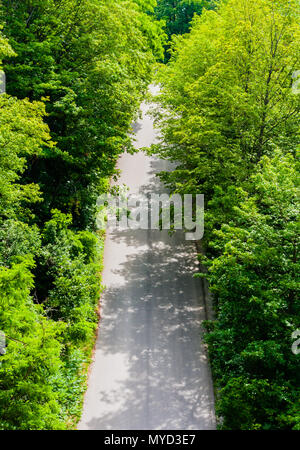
229,114
229,111
76,73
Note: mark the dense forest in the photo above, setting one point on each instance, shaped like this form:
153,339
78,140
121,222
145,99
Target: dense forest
76,73
229,114
178,15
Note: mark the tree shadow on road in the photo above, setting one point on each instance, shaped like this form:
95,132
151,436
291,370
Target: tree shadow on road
153,319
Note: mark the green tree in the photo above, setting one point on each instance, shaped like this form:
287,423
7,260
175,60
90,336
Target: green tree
75,78
227,93
255,280
226,107
178,15
91,61
23,134
27,397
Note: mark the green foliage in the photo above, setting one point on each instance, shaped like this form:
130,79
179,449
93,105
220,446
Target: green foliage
5,48
228,94
178,15
17,239
91,61
22,135
76,72
256,285
41,374
27,398
230,120
68,265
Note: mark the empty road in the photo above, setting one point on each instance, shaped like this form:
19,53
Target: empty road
150,370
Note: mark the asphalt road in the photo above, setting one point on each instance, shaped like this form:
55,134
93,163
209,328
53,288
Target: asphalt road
150,369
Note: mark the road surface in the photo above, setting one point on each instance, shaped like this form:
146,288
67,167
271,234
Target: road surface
150,370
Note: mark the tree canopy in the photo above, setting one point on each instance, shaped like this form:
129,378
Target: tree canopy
76,72
178,15
229,119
